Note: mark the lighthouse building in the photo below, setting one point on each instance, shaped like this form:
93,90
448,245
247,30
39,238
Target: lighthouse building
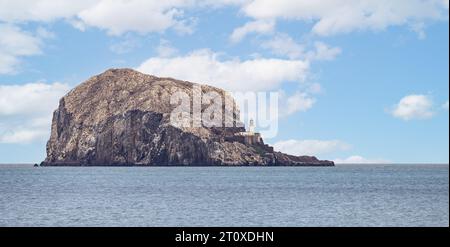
251,137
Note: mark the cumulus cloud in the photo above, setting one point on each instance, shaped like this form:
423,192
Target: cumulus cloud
14,44
310,147
283,45
116,17
140,16
356,159
259,26
16,11
298,102
25,134
30,99
233,74
333,17
323,52
26,110
414,107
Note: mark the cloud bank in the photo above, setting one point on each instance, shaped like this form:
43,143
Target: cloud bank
26,110
233,74
310,147
356,159
328,16
414,107
331,17
14,45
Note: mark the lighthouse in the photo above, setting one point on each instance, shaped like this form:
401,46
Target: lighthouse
250,136
251,127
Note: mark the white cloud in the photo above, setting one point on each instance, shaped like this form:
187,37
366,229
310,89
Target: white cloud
205,66
221,3
19,135
259,26
143,16
14,44
445,105
283,45
232,74
298,102
332,17
26,110
116,17
15,11
8,63
140,16
356,159
29,99
310,147
323,52
413,107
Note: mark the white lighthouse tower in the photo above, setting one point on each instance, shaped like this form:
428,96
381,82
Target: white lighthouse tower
250,136
251,127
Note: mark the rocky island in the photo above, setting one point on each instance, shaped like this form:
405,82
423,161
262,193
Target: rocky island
122,118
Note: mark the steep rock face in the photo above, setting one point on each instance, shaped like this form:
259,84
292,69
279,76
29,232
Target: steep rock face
122,117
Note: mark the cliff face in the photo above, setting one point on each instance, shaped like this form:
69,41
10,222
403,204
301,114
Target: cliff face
122,117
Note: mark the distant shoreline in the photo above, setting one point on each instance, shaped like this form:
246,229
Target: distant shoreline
337,164
125,165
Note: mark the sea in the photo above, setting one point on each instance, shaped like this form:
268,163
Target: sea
345,195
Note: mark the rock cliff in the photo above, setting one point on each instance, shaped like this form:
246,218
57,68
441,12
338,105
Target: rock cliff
122,117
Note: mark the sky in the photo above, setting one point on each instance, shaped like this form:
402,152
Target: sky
361,81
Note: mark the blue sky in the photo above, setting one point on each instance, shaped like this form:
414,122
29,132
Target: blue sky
363,81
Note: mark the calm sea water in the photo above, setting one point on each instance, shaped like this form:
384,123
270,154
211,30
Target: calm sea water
350,195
